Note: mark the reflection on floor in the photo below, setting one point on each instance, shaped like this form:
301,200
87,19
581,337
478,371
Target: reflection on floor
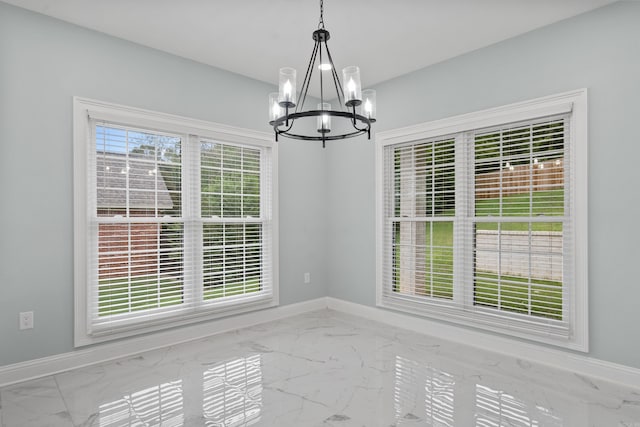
320,369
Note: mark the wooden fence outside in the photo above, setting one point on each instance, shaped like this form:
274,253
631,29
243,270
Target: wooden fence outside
543,176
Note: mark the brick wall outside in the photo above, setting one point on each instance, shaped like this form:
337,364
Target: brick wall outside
124,248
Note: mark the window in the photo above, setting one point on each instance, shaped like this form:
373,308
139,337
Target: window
174,221
482,220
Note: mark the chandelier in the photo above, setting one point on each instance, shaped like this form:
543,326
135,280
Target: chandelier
356,108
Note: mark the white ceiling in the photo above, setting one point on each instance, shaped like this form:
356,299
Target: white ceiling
386,38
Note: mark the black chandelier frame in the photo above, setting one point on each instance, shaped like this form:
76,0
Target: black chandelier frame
284,125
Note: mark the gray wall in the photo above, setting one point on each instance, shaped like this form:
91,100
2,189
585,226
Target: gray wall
43,63
599,50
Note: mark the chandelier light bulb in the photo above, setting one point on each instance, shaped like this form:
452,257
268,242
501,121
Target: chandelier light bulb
275,110
352,88
353,93
324,120
287,88
369,104
287,91
367,107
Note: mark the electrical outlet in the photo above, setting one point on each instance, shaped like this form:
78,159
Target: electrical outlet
307,277
26,320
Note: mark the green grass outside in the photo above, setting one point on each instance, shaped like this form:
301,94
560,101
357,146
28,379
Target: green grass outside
547,203
510,293
439,278
250,286
121,295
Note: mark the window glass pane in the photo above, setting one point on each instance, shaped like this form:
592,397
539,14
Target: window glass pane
231,205
140,266
423,258
210,181
251,184
439,260
424,179
229,181
232,259
138,174
519,171
251,160
231,157
251,206
519,267
424,186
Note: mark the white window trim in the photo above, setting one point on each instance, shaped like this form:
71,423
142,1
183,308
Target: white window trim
574,102
84,108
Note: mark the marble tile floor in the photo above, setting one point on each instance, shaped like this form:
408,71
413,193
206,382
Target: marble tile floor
319,369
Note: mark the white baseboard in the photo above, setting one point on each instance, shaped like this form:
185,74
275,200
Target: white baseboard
580,364
23,371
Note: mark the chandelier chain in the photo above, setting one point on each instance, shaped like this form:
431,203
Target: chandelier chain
321,23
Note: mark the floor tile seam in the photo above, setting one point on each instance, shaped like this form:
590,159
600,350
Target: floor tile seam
64,401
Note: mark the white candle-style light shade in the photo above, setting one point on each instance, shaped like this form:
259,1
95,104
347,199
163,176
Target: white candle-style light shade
275,110
368,105
324,120
287,87
351,86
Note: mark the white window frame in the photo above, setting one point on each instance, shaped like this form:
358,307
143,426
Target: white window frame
573,103
192,131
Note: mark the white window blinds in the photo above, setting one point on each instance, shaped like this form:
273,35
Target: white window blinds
477,227
177,225
138,268
522,191
420,188
234,232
